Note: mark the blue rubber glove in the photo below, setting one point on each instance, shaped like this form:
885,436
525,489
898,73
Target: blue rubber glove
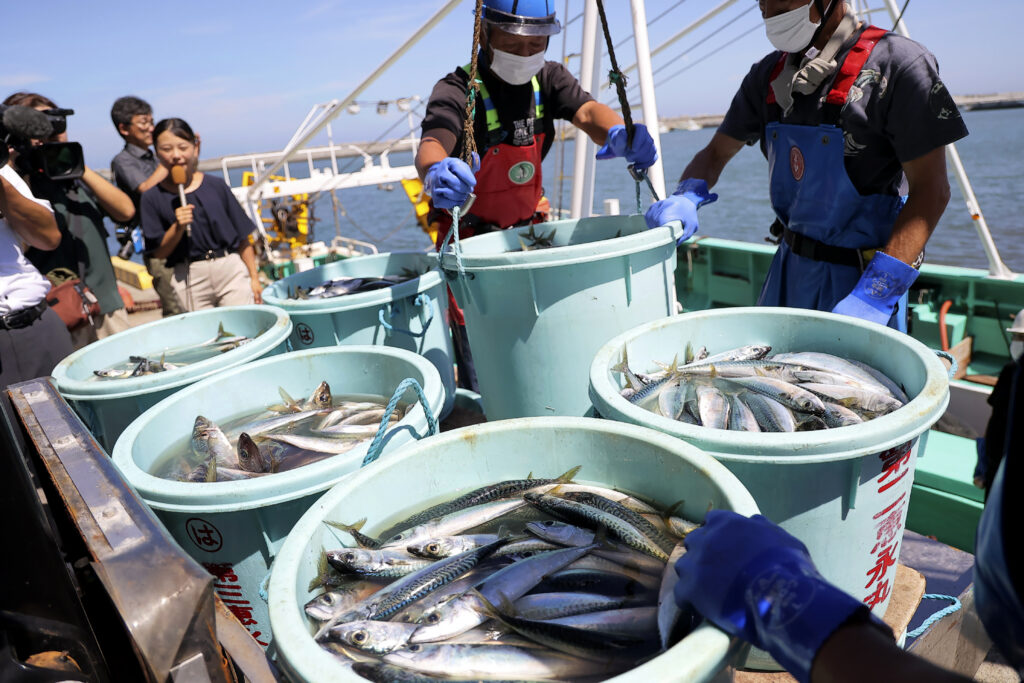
682,205
641,154
449,181
755,581
879,289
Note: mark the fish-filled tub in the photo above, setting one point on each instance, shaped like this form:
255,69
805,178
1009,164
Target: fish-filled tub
395,299
114,380
235,527
568,453
842,490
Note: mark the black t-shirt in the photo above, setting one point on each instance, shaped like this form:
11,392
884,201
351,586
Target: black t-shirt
219,222
897,110
560,94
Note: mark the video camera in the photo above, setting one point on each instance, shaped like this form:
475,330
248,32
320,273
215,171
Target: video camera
19,126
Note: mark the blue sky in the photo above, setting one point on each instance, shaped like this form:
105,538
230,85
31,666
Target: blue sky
245,75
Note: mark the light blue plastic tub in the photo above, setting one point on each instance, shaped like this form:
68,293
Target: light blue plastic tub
107,406
236,528
653,466
412,315
843,492
536,318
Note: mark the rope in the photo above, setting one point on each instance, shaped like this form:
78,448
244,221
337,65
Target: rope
616,76
373,452
945,611
452,236
265,585
953,365
468,132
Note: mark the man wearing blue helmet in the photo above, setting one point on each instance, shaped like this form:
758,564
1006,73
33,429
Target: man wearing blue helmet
520,96
854,121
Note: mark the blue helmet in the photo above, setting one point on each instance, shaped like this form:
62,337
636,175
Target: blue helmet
522,17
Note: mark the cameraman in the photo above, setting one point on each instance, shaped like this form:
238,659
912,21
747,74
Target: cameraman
79,206
33,338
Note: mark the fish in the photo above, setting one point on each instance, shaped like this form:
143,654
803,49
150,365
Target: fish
857,399
355,531
250,458
594,510
638,623
749,352
771,415
484,494
569,535
461,612
713,407
382,672
378,637
413,586
337,601
208,440
741,417
795,397
568,639
316,444
206,472
672,399
557,605
668,609
455,522
382,563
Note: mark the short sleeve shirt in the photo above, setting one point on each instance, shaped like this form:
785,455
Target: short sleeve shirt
560,93
219,223
131,167
21,285
83,247
897,110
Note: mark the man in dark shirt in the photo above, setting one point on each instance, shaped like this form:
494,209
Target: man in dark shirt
854,122
520,96
135,170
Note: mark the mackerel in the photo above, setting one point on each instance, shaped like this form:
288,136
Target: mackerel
574,511
771,415
484,494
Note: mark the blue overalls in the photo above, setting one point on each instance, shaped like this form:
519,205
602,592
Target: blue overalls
831,230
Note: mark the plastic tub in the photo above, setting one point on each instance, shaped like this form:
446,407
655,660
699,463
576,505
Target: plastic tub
658,468
235,528
536,318
843,492
412,315
108,406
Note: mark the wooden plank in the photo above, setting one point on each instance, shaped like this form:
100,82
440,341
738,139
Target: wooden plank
957,642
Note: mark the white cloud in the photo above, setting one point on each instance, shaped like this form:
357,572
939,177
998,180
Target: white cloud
21,80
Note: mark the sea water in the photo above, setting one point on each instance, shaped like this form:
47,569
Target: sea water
993,155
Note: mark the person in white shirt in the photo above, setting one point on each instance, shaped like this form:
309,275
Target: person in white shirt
33,339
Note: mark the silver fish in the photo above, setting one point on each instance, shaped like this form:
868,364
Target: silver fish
741,417
208,440
852,397
384,563
316,444
378,637
668,609
771,415
785,393
713,407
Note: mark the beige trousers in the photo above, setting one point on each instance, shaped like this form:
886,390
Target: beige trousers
102,326
217,282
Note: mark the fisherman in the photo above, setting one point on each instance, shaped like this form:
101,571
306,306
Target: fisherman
520,96
854,122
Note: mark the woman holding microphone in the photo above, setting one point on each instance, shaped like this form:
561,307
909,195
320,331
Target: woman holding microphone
194,221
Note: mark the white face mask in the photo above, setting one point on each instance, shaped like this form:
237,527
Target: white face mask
792,30
1016,349
516,70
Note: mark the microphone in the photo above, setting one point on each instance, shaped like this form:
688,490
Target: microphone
178,177
26,122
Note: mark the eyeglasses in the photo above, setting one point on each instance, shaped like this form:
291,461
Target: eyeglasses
143,124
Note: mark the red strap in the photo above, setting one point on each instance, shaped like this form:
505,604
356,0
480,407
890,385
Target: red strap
853,63
776,70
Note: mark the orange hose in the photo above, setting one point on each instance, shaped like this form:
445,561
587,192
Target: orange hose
943,337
